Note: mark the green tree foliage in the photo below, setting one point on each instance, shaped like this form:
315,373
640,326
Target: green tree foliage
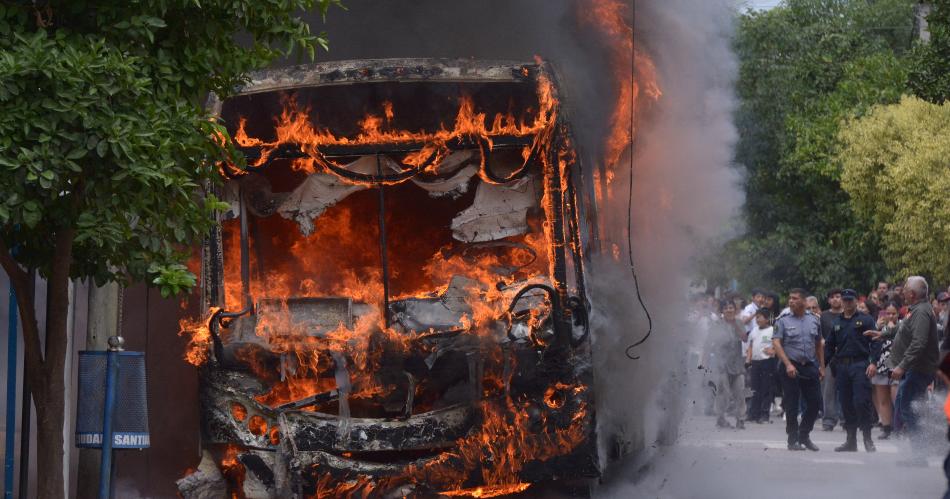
104,147
896,161
102,129
805,66
930,63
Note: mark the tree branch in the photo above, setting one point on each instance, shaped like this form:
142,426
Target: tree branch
20,281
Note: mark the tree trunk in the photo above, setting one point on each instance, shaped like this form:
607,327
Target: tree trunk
46,372
50,418
51,403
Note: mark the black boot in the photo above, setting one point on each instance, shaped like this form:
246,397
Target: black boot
851,444
807,443
868,442
740,425
885,432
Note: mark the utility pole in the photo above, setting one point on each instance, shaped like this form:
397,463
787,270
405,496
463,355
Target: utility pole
103,323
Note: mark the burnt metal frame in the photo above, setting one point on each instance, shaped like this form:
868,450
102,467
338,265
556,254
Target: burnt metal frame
294,151
383,248
409,70
560,276
580,212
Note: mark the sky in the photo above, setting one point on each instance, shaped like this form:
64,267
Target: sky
762,4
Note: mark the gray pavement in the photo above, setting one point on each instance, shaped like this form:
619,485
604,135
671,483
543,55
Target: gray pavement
711,463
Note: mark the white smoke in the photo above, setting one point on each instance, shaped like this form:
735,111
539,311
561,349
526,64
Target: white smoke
686,191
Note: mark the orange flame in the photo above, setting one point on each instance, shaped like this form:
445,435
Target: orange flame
634,72
294,127
491,491
341,258
199,338
232,469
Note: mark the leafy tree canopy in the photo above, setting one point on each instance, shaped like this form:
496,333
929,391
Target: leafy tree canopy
805,67
929,76
895,169
103,139
104,150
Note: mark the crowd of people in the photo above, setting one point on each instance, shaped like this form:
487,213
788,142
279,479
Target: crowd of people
864,361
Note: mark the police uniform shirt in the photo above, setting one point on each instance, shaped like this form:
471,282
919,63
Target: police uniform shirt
828,323
799,336
847,340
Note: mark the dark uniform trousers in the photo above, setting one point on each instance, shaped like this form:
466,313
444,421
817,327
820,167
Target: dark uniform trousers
854,392
762,373
803,386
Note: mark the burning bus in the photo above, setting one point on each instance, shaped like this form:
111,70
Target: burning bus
396,298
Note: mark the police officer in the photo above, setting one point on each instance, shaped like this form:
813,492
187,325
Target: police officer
852,356
797,342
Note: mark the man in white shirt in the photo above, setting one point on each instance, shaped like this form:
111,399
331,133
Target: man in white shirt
747,316
762,357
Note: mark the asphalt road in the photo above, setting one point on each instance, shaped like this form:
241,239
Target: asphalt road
711,463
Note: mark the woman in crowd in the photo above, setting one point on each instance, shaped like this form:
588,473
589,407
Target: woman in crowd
771,304
885,389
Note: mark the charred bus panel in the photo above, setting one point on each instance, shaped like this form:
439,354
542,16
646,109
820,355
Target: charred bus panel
396,298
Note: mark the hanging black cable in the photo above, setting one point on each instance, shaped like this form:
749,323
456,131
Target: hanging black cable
633,270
